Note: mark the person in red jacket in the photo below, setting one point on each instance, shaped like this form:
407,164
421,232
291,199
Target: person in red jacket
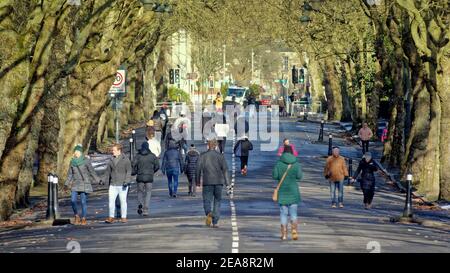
287,143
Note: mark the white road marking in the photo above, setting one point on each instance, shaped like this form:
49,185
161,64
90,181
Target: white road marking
234,226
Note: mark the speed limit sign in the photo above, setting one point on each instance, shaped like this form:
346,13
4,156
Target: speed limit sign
119,83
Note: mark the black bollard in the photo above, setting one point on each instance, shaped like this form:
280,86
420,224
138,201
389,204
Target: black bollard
50,212
55,196
350,169
133,136
408,211
330,144
131,149
322,123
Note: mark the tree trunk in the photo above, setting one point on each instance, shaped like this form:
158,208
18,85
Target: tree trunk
332,90
443,83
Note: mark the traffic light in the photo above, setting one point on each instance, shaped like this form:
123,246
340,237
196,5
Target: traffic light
172,76
302,75
177,75
294,75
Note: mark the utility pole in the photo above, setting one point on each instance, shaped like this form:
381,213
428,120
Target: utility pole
224,63
253,56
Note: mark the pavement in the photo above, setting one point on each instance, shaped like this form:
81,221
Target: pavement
250,219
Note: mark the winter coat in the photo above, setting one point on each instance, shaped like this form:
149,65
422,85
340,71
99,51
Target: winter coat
243,147
367,170
365,134
212,166
80,178
155,146
281,150
289,192
172,159
118,173
145,165
335,168
190,165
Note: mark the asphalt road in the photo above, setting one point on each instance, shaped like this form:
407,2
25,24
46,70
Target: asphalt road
250,219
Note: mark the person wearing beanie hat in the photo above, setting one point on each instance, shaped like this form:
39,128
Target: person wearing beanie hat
80,177
145,165
190,168
367,168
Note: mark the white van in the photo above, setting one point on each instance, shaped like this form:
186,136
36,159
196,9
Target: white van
239,93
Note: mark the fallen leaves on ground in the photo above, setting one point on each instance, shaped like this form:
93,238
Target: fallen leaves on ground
15,223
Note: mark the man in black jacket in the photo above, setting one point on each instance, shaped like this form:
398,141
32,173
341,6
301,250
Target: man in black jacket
145,166
213,168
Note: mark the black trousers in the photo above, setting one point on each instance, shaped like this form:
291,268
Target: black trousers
192,186
221,143
244,161
365,146
368,195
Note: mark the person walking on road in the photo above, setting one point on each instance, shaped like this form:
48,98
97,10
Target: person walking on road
221,129
286,143
365,134
118,174
145,165
153,144
80,177
367,168
190,168
172,166
242,150
212,168
181,131
336,171
282,106
218,102
157,125
164,115
288,173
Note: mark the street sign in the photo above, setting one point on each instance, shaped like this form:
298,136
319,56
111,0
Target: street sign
192,76
283,81
118,86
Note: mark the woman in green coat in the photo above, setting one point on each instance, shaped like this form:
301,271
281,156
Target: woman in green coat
288,193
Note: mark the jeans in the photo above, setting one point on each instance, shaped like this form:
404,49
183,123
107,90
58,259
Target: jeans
368,195
83,197
340,186
365,146
144,193
244,161
115,191
286,210
212,196
172,178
